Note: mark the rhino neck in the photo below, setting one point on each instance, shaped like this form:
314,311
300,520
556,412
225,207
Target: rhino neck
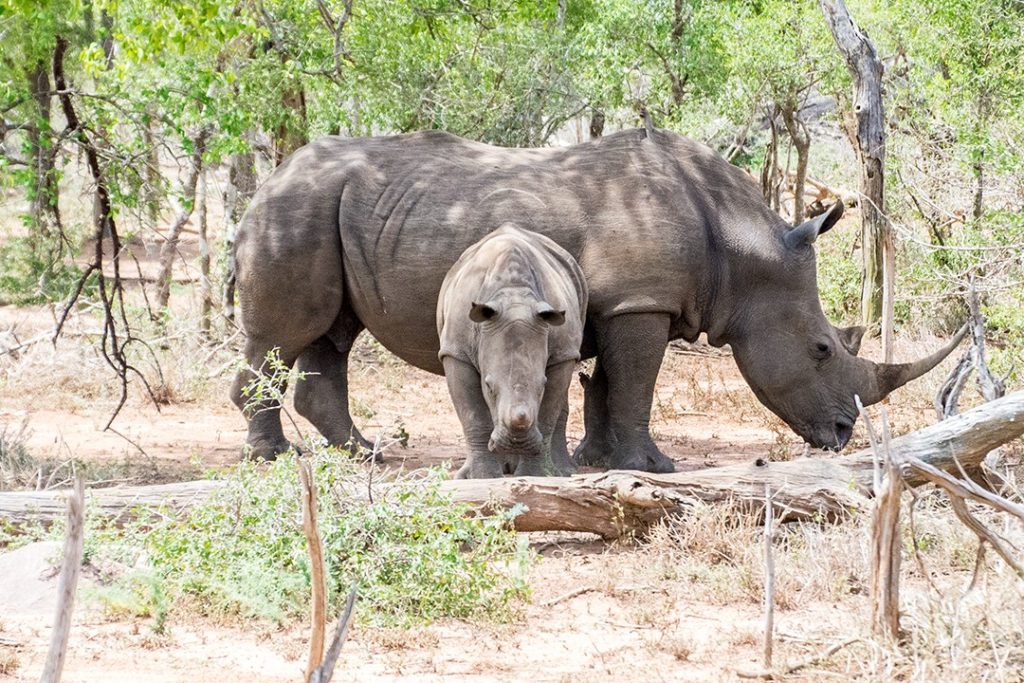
743,260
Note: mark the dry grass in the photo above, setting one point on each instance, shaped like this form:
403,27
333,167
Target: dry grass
952,633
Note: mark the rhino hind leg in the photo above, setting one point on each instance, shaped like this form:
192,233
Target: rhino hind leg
322,395
596,447
266,438
630,349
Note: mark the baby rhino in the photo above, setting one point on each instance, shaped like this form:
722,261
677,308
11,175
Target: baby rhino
510,317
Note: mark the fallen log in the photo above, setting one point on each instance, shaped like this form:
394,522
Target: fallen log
615,503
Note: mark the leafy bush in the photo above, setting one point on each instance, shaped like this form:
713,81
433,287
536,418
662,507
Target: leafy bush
414,554
28,277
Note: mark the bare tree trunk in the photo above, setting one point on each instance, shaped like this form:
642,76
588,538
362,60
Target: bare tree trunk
241,188
801,138
152,191
44,191
770,169
107,22
978,209
288,137
596,123
170,247
71,566
205,290
879,253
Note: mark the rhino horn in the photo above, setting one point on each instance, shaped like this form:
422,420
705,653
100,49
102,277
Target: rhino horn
807,232
891,376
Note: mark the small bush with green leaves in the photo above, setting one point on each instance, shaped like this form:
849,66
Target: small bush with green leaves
413,553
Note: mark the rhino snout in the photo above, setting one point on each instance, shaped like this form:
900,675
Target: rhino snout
831,438
520,420
509,441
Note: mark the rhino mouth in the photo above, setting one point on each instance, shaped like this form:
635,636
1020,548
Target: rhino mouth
509,442
832,438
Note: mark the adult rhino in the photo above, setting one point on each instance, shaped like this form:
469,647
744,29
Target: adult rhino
673,241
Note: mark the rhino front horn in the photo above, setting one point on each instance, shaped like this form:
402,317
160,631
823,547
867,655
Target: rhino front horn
891,376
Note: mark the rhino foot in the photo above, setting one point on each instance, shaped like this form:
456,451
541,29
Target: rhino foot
267,451
365,451
645,459
481,467
591,454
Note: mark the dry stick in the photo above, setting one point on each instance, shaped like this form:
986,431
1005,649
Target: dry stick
568,596
958,490
69,570
316,562
769,578
325,671
885,542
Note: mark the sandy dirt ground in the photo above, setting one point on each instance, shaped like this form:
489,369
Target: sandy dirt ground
597,613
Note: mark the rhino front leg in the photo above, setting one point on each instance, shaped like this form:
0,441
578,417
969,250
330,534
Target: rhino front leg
464,387
551,461
596,447
630,348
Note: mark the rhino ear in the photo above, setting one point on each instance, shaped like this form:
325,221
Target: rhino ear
479,313
808,231
549,315
850,337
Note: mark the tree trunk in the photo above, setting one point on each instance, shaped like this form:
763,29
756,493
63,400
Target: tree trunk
170,246
43,192
153,188
241,188
770,170
618,503
801,138
596,123
877,242
107,23
290,135
978,209
205,291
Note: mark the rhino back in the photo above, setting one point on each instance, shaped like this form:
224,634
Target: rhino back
647,220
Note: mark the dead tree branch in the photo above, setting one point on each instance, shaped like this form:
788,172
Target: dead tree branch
71,566
113,346
318,612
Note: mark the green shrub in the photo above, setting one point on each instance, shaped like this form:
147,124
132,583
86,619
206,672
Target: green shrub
28,277
414,554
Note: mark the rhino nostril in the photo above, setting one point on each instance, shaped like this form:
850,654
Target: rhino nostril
844,430
520,420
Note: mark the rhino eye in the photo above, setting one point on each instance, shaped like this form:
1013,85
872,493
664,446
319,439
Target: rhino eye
822,351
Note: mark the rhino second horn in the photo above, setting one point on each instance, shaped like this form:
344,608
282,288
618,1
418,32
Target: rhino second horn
891,376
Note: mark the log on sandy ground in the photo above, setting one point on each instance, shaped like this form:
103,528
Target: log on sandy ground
620,502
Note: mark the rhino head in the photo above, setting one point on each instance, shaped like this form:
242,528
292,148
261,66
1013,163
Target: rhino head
512,351
800,366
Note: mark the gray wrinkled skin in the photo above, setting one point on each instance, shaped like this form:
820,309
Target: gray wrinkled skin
673,241
510,319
